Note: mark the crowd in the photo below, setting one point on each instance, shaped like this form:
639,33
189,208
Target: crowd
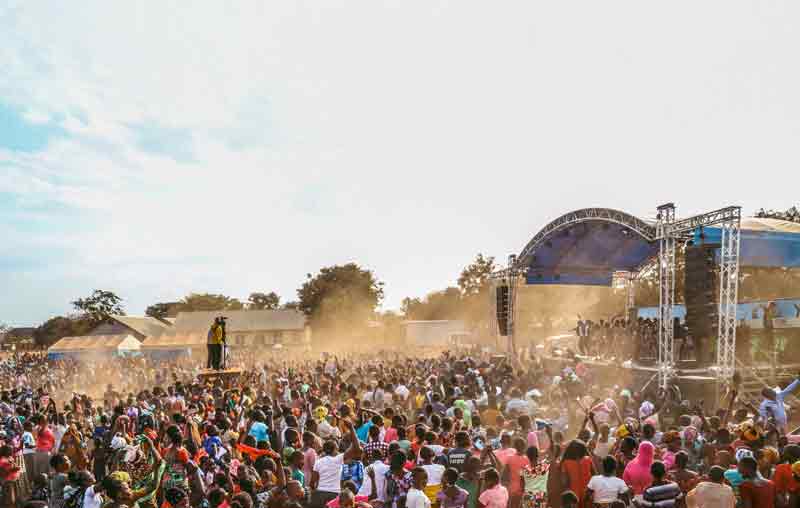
622,340
384,430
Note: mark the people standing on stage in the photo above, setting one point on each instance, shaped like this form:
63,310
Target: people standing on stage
216,337
772,405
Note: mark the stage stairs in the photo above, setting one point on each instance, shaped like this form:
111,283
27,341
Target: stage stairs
757,377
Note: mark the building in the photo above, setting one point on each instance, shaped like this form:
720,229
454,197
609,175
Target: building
437,333
94,346
140,327
245,329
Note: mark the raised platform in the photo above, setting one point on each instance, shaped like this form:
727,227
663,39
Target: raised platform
227,376
695,383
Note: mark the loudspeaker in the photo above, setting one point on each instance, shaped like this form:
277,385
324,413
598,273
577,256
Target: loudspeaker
502,309
700,291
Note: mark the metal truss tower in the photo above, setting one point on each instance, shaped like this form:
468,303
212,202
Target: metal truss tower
728,295
668,232
666,293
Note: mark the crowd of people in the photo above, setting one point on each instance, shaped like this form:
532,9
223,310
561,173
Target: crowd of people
385,430
620,339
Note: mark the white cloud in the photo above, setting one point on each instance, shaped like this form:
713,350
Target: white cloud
404,135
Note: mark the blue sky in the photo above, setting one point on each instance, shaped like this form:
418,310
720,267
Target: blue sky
154,150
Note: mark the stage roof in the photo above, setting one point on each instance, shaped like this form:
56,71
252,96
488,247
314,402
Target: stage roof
587,246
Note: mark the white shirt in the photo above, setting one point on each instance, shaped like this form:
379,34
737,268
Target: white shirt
435,473
92,500
606,488
402,391
380,481
330,473
417,499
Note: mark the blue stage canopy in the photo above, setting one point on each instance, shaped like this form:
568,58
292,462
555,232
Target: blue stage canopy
587,246
764,242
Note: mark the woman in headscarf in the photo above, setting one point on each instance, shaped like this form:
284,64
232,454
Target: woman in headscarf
672,441
145,468
72,447
637,472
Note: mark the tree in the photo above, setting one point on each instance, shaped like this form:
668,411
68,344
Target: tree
340,296
474,279
445,304
209,302
99,305
293,305
163,310
260,301
55,329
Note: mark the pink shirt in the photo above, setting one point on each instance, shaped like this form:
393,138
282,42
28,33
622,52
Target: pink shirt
390,436
496,497
309,458
533,439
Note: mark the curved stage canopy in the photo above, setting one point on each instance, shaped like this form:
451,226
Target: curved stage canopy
587,246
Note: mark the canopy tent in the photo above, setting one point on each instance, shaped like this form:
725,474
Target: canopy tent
109,345
172,344
765,242
587,246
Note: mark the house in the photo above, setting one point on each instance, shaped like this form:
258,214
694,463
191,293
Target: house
140,327
436,333
94,345
245,329
19,338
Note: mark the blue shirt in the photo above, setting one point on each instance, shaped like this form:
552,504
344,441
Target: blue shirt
353,471
362,433
259,431
776,406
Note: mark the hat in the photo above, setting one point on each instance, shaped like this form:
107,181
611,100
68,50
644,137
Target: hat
742,453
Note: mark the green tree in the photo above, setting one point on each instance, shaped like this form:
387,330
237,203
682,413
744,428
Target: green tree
55,329
475,277
475,285
163,310
445,304
99,305
340,296
260,301
293,305
209,302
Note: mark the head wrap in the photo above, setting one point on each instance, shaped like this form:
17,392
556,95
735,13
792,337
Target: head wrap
742,453
670,437
646,409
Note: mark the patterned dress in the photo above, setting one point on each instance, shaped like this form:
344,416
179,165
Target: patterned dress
534,481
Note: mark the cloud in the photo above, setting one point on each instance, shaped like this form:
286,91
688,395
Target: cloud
238,147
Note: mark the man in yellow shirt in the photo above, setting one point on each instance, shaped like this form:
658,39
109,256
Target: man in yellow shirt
216,341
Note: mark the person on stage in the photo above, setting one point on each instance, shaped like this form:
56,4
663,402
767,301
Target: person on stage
216,338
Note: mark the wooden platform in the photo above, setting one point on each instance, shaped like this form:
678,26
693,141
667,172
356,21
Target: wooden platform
227,376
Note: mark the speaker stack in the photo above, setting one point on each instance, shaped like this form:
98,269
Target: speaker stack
701,277
502,310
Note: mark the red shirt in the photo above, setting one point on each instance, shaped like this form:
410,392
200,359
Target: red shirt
784,479
761,494
579,472
515,464
45,440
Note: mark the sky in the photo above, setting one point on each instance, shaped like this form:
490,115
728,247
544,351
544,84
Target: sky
159,148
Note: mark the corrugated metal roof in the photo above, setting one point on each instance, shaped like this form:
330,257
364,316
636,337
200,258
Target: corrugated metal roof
95,343
145,325
770,225
239,321
175,341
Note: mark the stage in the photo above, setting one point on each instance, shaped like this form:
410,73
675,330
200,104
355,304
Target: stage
695,383
228,377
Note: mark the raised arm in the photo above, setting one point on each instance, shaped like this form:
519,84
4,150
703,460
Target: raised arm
354,451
